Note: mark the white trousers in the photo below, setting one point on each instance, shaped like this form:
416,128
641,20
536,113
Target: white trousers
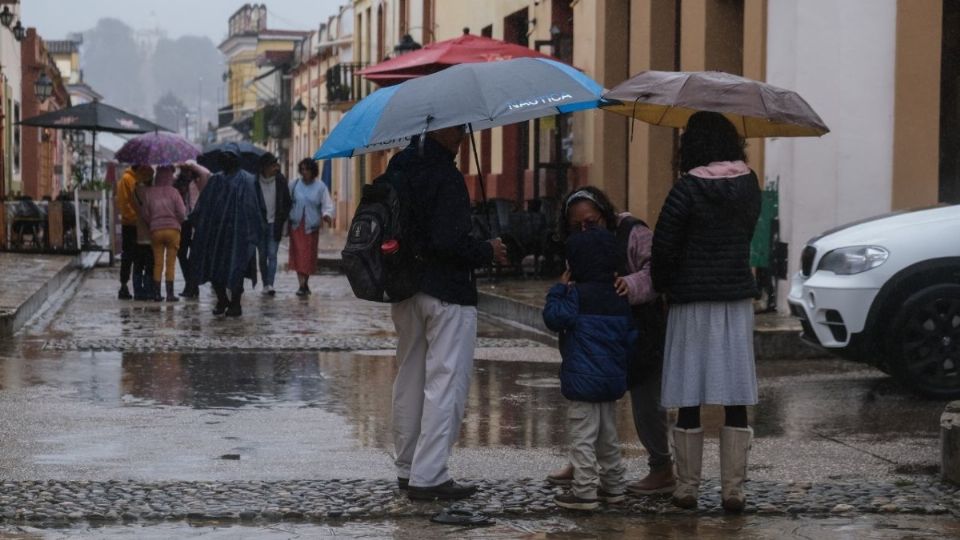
435,361
594,448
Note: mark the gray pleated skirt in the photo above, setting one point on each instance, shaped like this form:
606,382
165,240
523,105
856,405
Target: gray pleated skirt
709,355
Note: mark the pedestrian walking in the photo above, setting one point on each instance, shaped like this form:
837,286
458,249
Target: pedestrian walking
436,327
229,225
189,183
164,211
128,226
312,207
597,337
701,260
590,207
276,198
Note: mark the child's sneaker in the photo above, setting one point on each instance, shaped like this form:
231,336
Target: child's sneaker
571,502
610,498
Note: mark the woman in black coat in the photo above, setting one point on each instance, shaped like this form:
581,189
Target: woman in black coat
700,260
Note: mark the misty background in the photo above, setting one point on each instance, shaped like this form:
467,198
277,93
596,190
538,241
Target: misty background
149,74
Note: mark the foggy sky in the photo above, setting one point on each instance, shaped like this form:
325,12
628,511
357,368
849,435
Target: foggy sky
54,19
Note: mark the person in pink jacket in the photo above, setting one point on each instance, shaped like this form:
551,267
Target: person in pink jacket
164,211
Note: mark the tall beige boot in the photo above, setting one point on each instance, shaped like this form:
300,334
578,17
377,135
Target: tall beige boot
734,447
688,452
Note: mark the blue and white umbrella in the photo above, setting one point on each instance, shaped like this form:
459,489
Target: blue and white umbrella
482,95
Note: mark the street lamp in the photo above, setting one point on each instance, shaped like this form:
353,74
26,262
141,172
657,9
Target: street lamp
19,32
406,45
43,87
313,114
298,112
6,16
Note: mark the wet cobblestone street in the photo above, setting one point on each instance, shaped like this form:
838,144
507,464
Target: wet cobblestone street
144,417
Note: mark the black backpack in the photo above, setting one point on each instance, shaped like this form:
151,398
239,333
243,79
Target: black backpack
381,257
650,319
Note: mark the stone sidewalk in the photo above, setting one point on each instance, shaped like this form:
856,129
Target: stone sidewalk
518,302
27,280
521,301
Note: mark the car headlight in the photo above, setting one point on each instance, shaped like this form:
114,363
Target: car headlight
853,260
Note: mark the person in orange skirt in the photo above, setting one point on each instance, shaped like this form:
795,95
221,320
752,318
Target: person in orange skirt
312,207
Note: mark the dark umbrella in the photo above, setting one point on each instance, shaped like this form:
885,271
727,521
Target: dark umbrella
249,155
94,116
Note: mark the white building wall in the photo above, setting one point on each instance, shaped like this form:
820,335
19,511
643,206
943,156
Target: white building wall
840,57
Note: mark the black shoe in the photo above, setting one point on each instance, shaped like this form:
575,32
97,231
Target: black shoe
124,293
220,308
403,483
571,502
171,297
157,296
190,292
302,292
234,310
448,490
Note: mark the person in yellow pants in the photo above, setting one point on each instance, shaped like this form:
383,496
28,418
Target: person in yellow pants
164,211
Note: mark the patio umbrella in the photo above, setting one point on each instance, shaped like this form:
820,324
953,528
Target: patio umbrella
157,149
757,109
480,95
249,155
94,116
438,56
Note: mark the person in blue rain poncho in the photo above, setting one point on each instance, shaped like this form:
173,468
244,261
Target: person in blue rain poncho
230,222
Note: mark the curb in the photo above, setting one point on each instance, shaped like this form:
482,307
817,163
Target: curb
768,343
12,321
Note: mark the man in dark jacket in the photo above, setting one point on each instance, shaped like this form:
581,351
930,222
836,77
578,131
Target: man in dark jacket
277,203
437,327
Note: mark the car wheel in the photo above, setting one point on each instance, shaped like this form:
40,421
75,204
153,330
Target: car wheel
926,342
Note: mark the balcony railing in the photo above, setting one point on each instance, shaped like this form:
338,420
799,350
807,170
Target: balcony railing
345,85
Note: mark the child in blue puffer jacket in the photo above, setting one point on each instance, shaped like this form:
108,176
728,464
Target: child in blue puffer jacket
597,336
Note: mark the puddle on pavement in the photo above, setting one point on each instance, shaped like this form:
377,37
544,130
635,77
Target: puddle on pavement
556,527
511,403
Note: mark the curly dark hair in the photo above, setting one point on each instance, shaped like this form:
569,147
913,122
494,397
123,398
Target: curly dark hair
596,197
709,137
312,164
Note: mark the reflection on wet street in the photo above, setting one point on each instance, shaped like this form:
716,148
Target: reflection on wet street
262,406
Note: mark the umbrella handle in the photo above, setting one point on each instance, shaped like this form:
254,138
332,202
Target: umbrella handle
633,118
483,190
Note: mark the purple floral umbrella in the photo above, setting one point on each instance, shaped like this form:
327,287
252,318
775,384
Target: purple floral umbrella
158,148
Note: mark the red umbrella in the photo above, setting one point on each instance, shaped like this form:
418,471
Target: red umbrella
437,56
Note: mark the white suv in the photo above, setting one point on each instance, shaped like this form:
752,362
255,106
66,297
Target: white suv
886,291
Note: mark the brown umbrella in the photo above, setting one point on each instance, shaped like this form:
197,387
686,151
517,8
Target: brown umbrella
757,109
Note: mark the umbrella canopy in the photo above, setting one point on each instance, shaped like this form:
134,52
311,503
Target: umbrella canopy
93,116
465,49
757,109
483,95
249,155
157,149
